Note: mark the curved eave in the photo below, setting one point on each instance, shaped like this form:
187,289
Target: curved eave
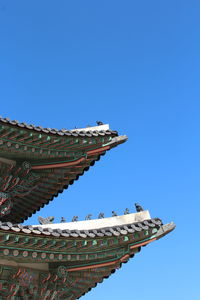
87,263
58,157
55,177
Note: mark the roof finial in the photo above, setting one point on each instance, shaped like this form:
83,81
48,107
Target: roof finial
75,219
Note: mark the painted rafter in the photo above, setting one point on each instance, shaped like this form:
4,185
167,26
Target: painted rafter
57,157
72,271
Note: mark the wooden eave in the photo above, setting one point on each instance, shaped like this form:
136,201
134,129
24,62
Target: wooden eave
88,258
56,157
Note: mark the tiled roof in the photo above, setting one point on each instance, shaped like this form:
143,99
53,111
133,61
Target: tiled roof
61,132
86,257
55,159
102,232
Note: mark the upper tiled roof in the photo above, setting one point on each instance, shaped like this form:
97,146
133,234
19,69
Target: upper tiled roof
88,131
36,163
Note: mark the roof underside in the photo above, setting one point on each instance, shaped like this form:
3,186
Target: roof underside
86,256
36,164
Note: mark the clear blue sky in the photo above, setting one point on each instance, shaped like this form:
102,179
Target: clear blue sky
135,65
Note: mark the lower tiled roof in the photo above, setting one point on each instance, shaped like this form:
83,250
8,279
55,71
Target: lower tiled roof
78,260
102,232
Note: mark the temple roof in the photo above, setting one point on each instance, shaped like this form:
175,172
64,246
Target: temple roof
66,260
36,163
73,261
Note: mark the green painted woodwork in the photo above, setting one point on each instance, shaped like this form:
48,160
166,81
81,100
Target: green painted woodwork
20,248
61,281
43,149
27,141
16,239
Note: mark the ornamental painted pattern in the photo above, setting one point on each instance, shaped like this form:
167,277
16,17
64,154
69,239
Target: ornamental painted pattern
74,264
59,157
15,182
30,284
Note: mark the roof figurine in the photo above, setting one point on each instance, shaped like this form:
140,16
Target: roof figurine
88,217
138,207
126,212
114,214
75,219
101,215
99,123
63,220
44,221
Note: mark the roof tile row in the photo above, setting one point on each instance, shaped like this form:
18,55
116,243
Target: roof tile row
109,231
87,132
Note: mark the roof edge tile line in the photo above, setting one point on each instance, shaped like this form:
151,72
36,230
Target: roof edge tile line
39,230
60,132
